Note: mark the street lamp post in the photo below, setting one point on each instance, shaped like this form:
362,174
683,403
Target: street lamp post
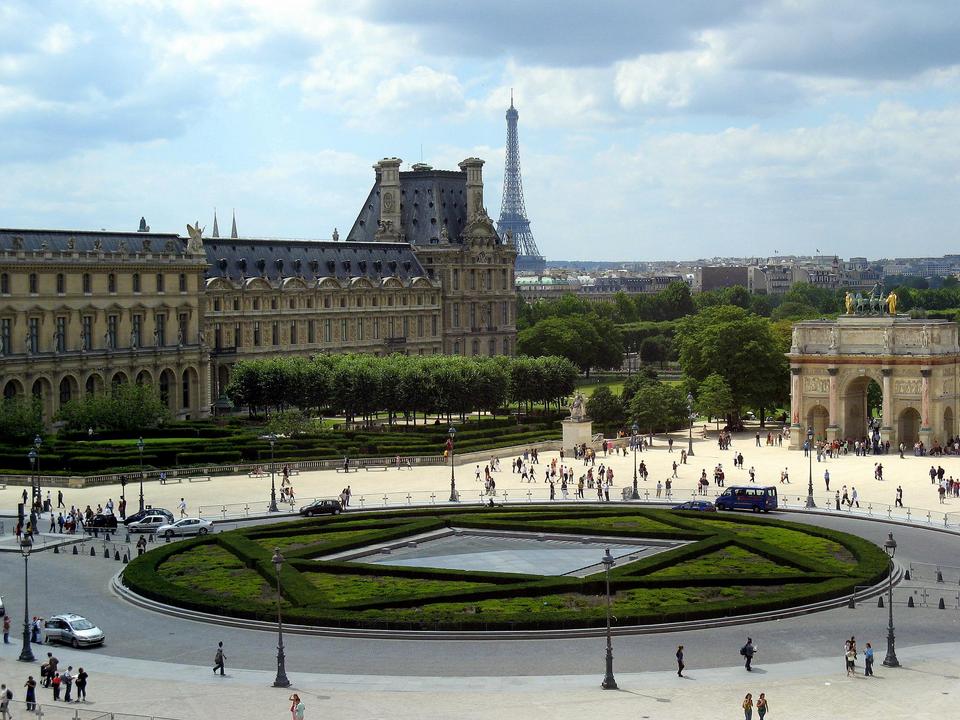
32,456
37,499
452,432
281,679
810,503
890,547
609,683
26,545
140,450
691,416
273,487
636,493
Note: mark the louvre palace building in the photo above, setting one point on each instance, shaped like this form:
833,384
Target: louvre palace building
422,271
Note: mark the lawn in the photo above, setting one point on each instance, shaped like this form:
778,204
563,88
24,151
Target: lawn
726,566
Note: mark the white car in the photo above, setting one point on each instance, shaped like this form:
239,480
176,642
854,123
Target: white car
148,524
72,629
187,526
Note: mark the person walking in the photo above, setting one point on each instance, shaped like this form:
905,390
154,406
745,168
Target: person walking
31,694
6,629
748,651
141,545
747,706
680,664
762,705
826,479
81,685
899,500
868,661
56,682
183,508
6,695
218,659
294,701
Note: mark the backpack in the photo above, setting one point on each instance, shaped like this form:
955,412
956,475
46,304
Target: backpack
743,650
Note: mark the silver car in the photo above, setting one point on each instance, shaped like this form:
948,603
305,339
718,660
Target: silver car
72,629
148,524
187,526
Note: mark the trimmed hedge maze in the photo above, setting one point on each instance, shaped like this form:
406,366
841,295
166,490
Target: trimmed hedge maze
731,565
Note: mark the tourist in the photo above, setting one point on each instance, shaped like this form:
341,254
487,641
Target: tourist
81,684
56,682
6,695
218,660
6,629
183,508
747,707
659,488
748,651
31,694
762,705
854,497
826,479
899,501
680,664
868,661
674,469
838,499
67,682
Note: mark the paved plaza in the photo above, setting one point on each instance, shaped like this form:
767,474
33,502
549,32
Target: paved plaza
155,664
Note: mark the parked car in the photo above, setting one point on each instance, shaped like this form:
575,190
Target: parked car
187,526
141,514
73,630
322,507
149,524
701,505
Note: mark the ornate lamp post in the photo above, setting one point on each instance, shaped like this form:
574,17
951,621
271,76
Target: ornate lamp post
140,450
636,494
452,432
609,683
26,545
890,547
34,492
281,679
691,416
273,487
37,499
810,503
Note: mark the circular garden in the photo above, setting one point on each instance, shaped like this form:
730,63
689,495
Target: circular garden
726,565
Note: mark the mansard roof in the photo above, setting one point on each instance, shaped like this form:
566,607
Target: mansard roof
429,200
90,241
276,260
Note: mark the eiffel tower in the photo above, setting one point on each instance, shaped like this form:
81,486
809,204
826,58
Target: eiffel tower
513,214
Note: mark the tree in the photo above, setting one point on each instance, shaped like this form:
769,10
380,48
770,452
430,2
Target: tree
604,407
644,376
714,398
21,418
127,407
588,342
741,348
658,406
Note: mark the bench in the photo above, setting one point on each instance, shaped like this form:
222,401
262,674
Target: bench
168,480
199,478
257,474
376,466
340,468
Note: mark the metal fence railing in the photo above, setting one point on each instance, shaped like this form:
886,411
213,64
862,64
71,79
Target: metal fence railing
63,711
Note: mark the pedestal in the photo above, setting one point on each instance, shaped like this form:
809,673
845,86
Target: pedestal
833,433
576,432
926,437
798,436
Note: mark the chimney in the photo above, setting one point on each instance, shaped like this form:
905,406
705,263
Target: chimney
473,167
388,171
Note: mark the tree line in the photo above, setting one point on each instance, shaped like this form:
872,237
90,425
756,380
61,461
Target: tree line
357,385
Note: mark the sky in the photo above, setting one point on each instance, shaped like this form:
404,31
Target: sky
649,130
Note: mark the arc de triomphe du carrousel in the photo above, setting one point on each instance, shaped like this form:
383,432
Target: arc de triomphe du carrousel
914,363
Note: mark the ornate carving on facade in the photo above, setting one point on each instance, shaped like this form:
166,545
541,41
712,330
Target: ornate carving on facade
907,387
816,385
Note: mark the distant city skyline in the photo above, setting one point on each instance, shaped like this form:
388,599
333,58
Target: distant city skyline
650,131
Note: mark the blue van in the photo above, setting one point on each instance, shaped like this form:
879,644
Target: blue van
748,498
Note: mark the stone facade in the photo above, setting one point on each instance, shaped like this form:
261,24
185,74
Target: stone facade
422,272
915,363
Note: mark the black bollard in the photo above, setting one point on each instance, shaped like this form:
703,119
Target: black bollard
56,549
910,602
149,537
106,552
168,538
906,575
939,576
128,538
125,559
853,602
880,602
941,606
93,553
106,536
75,551
116,555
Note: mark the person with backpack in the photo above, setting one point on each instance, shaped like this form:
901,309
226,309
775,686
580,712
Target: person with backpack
81,684
747,651
6,695
67,681
219,659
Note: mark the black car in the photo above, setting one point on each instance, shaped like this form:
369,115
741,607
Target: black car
102,521
322,507
701,505
140,515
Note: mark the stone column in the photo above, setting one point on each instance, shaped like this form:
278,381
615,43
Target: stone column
926,432
797,430
833,428
886,428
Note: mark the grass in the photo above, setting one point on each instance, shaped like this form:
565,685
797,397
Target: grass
728,566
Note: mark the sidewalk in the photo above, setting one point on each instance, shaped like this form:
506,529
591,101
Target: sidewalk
813,689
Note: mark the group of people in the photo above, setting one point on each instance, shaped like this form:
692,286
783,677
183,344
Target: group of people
850,657
62,684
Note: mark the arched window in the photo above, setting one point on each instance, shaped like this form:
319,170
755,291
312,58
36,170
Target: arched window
476,347
136,282
111,283
61,284
33,283
4,284
86,284
186,388
64,391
